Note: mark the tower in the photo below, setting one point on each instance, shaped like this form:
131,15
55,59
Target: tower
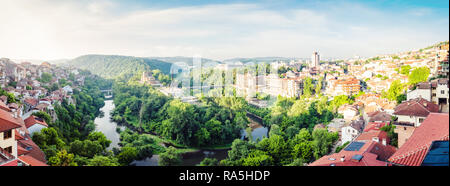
315,60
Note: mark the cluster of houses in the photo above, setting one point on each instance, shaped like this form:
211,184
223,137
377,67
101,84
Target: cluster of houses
17,122
421,124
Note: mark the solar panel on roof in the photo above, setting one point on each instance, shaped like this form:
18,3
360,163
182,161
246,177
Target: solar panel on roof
437,154
354,146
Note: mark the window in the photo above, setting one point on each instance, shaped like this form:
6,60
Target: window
442,91
8,149
420,120
404,128
7,134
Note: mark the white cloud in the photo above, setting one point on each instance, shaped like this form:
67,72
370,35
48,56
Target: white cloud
47,29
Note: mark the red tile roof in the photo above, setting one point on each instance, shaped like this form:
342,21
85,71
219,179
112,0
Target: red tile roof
4,106
434,127
374,126
373,155
32,120
11,163
18,136
29,160
383,151
34,150
21,150
7,122
379,116
416,107
368,136
31,101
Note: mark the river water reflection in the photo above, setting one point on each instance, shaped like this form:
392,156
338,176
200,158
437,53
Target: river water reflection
108,127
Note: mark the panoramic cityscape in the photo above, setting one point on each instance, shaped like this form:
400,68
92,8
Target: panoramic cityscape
225,84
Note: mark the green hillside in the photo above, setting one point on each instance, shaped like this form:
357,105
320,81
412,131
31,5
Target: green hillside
113,66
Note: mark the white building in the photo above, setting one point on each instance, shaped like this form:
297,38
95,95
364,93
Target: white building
315,60
35,124
352,131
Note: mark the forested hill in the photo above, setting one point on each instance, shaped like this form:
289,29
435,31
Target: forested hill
113,66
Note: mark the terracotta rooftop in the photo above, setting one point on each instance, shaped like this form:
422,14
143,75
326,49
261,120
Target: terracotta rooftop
4,106
368,136
379,116
368,154
416,107
31,101
7,121
374,126
32,120
29,160
434,128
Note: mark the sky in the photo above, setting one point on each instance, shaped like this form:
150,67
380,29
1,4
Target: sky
65,29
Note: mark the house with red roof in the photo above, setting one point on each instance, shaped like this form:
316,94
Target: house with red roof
16,142
378,136
358,153
352,130
8,123
375,126
35,124
412,153
410,115
30,103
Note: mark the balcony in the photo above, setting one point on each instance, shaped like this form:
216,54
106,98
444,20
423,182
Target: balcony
5,156
407,124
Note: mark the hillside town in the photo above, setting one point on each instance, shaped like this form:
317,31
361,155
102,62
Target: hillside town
421,111
420,117
27,89
376,129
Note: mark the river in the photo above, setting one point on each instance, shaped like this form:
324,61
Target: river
108,127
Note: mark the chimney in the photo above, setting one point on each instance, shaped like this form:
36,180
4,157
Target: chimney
384,141
342,158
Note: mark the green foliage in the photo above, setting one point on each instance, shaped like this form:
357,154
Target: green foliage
418,75
86,148
217,123
395,91
405,69
170,158
258,158
45,77
308,87
163,78
10,96
145,145
12,84
112,67
127,155
279,150
47,118
103,161
209,162
392,135
339,101
62,158
73,130
319,85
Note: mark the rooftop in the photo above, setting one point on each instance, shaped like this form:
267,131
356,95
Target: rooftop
434,128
